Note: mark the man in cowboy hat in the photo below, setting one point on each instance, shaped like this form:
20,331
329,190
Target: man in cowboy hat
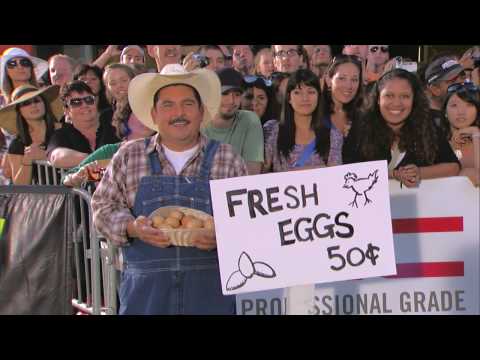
172,168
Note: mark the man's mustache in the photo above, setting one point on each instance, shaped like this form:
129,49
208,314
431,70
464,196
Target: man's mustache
178,120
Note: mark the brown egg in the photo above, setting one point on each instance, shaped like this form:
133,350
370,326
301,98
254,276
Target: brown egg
176,214
158,221
173,222
186,219
194,224
209,224
165,227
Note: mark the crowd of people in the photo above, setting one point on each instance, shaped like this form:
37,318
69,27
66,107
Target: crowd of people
157,136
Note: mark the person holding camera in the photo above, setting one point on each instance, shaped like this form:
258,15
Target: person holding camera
210,57
243,59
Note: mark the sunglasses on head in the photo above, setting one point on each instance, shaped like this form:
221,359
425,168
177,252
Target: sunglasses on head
12,64
250,79
383,49
353,58
28,102
77,102
465,87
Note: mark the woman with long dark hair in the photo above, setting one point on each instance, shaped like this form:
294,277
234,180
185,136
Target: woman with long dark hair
462,110
342,98
31,117
299,139
264,101
397,128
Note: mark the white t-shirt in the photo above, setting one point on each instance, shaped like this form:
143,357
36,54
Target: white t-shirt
179,158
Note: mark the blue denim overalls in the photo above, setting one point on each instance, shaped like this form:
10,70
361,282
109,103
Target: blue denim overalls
173,280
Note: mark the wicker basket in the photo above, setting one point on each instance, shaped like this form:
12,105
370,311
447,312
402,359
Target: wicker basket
183,237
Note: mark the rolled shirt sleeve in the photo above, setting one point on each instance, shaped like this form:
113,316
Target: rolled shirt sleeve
111,211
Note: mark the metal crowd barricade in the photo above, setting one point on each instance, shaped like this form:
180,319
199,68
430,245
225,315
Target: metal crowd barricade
48,174
94,257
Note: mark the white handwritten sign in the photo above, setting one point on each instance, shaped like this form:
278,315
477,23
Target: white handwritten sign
303,227
437,250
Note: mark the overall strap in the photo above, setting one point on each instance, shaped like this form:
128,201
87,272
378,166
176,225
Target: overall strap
155,165
307,152
210,151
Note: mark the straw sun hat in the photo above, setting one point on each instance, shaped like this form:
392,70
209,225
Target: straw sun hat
143,87
8,114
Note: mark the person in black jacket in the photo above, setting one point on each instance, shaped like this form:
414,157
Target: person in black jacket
396,127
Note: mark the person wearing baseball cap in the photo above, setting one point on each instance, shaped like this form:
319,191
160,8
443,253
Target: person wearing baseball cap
172,168
240,128
442,72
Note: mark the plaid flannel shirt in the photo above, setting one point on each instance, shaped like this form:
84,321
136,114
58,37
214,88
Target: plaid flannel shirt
115,195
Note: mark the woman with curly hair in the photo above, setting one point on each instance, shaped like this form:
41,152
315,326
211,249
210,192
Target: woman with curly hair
462,110
341,99
397,128
299,139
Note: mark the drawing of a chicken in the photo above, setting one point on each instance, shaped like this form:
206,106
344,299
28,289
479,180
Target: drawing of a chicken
360,186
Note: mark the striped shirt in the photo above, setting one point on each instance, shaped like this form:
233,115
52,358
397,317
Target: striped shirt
115,195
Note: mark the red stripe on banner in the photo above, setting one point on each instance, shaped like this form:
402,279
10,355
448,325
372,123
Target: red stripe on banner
427,225
429,269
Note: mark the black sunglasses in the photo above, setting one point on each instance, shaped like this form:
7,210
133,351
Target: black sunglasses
12,64
465,87
34,100
279,74
251,79
383,49
77,102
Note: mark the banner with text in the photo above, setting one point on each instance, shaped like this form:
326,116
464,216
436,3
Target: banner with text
436,237
303,227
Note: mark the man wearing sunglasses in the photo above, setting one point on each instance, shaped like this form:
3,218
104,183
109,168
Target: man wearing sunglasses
377,57
240,128
87,131
439,75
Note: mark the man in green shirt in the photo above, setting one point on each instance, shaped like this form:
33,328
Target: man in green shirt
240,128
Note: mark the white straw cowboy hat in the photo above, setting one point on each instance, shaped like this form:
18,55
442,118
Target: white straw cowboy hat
8,113
143,87
40,66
